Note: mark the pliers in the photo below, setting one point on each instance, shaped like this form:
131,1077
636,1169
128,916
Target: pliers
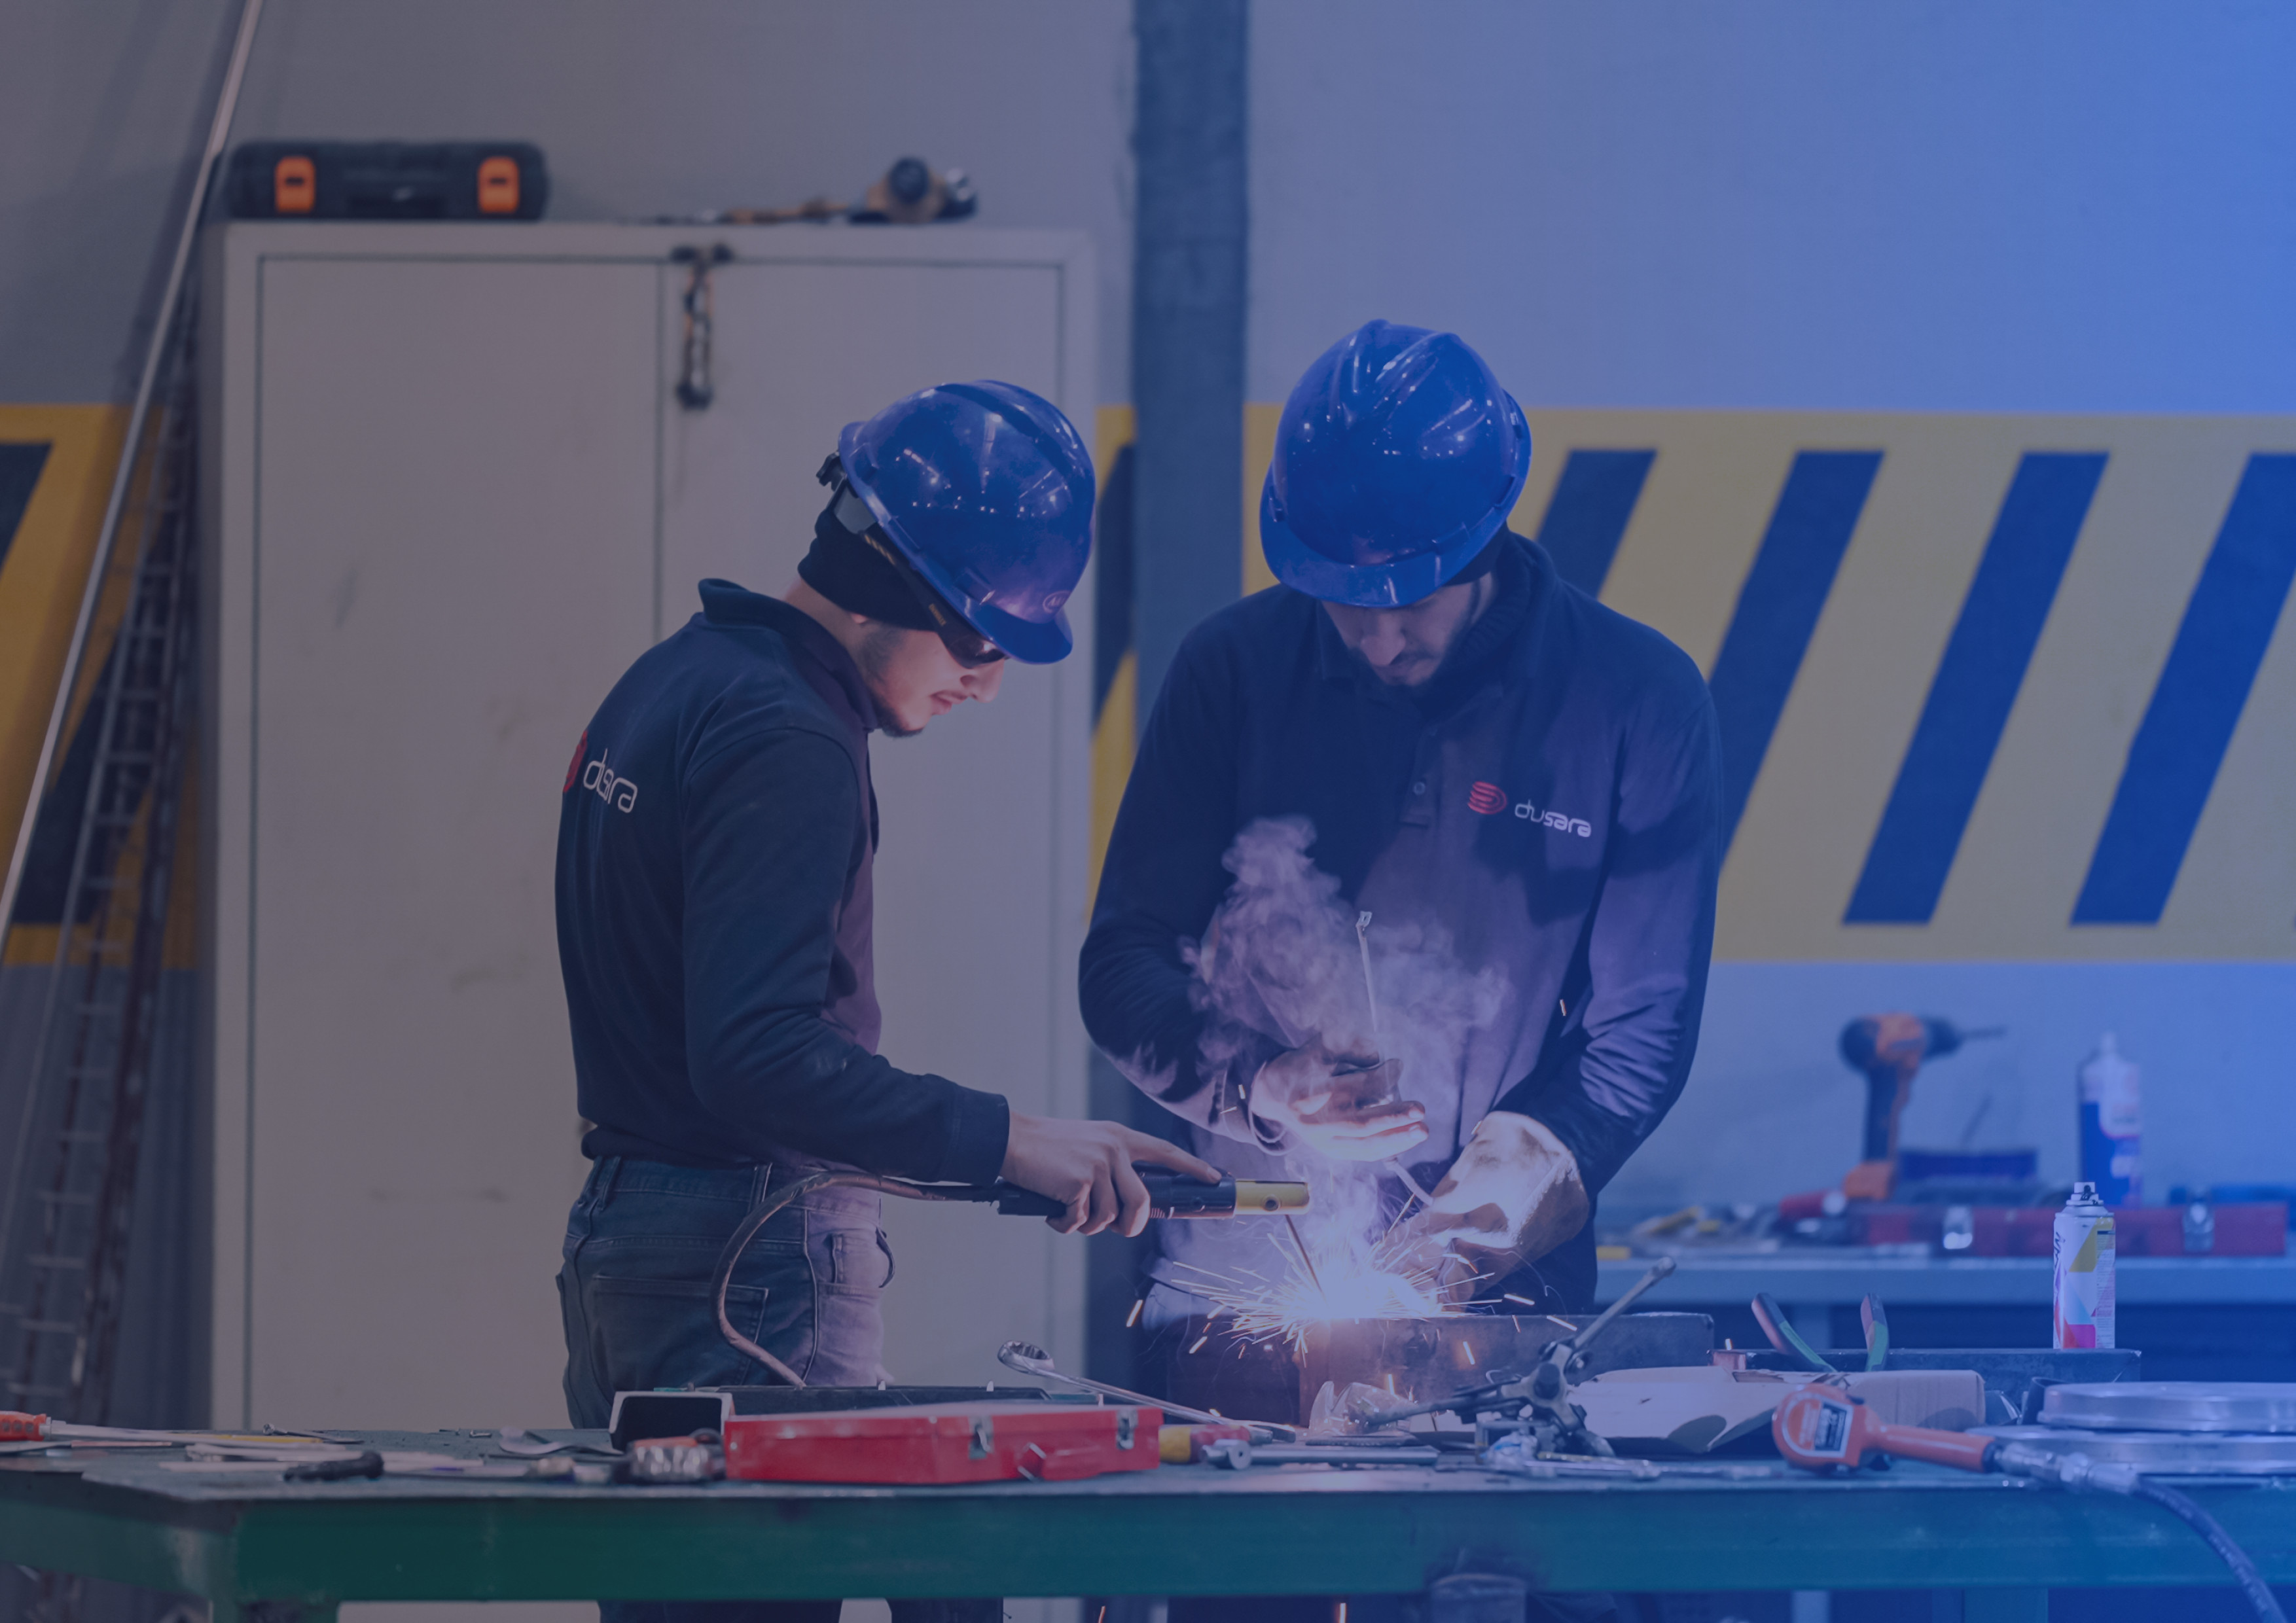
1783,1335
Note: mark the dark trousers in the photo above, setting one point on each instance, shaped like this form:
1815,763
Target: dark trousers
642,1242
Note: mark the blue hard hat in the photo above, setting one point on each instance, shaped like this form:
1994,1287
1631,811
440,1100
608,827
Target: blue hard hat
1397,459
987,490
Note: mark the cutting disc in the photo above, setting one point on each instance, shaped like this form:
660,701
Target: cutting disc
2173,1406
2164,1452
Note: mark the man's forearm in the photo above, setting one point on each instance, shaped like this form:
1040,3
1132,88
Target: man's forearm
831,1097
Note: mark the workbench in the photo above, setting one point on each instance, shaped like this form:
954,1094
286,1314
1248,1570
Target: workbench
258,1547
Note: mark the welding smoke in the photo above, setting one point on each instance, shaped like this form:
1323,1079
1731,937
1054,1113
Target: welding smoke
1281,959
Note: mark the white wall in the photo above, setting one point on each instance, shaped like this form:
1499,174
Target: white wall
643,107
2043,206
1785,204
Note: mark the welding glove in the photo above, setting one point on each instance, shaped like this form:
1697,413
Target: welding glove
1342,1105
1513,1196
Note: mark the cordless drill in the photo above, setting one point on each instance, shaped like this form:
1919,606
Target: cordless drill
1889,1049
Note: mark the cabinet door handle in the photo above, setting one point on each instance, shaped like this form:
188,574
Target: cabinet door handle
694,389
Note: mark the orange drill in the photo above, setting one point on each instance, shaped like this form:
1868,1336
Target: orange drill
1889,1049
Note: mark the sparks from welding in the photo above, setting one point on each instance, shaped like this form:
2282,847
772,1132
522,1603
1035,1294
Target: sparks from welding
1376,1285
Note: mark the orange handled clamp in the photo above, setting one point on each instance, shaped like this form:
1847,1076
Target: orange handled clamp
18,1427
1821,1428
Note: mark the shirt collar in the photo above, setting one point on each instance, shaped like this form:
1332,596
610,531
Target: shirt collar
1520,580
724,603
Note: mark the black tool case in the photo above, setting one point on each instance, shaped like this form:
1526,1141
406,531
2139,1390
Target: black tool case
387,180
671,1414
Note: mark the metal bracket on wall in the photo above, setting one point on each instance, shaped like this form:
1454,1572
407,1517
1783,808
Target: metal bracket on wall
694,389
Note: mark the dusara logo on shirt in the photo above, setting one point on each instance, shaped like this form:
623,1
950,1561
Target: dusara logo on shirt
1489,799
603,781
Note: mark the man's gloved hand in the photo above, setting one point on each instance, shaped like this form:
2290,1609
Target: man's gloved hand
1513,1196
1342,1105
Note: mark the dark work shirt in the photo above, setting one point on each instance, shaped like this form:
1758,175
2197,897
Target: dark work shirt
715,841
1543,816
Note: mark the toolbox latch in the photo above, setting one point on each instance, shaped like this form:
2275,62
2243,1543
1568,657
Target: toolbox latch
1126,1420
984,1436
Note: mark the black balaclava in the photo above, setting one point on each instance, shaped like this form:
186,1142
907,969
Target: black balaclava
852,574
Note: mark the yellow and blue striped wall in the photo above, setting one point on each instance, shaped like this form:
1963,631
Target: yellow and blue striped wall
1990,687
56,465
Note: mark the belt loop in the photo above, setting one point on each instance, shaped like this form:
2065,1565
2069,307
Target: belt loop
608,1171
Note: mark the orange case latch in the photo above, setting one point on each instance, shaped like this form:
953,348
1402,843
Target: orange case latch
498,186
294,187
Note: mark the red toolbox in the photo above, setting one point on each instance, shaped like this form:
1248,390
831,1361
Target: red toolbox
953,1442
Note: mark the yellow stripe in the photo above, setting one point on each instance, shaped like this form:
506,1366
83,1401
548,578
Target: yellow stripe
42,578
41,583
1259,420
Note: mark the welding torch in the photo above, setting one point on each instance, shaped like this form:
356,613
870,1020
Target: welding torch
1170,1194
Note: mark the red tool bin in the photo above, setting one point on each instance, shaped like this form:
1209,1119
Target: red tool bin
954,1442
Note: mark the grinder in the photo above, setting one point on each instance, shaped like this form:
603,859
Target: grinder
1170,1194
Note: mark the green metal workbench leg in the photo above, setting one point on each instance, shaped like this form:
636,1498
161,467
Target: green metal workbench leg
2005,1606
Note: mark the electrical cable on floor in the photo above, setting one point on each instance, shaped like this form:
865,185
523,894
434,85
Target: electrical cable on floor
2260,1594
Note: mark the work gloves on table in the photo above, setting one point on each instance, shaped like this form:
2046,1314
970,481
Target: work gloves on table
1337,1104
1513,1196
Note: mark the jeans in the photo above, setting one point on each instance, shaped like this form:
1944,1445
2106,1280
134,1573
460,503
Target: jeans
641,1244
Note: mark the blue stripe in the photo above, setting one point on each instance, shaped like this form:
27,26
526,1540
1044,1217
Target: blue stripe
1975,685
19,475
1588,515
2173,760
1778,609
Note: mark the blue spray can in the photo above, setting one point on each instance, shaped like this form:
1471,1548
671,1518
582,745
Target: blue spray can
2112,1126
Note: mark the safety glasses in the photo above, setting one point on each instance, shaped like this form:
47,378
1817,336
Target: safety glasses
965,645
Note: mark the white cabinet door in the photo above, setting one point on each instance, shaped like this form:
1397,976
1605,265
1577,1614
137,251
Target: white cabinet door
452,557
979,873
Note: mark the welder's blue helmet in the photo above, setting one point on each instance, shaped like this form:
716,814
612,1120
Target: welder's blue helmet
1397,459
987,491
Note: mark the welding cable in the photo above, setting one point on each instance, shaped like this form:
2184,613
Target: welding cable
763,1212
2081,1475
2266,1606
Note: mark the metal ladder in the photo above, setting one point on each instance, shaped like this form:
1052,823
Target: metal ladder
71,1202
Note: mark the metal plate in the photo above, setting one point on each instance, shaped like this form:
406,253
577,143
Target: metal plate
1417,1359
2173,1406
1423,1359
2168,1453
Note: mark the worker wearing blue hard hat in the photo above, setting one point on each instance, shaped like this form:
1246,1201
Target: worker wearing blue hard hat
715,843
1426,748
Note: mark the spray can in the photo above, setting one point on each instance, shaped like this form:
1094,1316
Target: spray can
2112,1124
2082,1248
